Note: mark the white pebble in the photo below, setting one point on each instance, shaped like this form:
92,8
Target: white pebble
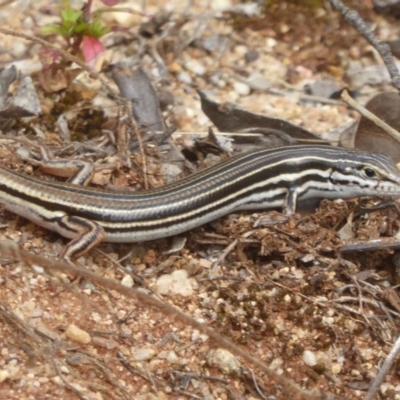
172,358
185,78
176,283
196,67
309,358
240,50
127,281
4,374
142,354
242,89
19,49
276,363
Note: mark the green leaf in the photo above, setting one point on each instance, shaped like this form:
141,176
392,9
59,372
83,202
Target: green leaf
81,27
97,29
51,29
70,15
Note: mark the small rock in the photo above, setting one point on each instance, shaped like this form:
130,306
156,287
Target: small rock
258,81
204,263
322,357
270,43
36,313
185,78
175,283
125,19
64,369
196,67
175,68
276,363
217,44
170,171
77,335
172,358
322,88
143,354
357,75
105,343
385,387
240,50
4,374
127,281
251,55
220,4
18,49
224,360
309,358
242,89
336,369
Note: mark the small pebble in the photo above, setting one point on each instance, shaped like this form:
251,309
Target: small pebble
105,343
185,78
242,89
258,81
64,369
276,363
240,50
18,49
172,358
251,55
4,374
143,354
175,283
336,369
224,360
127,281
77,335
309,358
196,67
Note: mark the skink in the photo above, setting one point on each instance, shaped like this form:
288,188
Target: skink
264,179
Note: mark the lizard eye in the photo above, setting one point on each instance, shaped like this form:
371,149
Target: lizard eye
369,173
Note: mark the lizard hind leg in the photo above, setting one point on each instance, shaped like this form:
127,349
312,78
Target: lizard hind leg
88,235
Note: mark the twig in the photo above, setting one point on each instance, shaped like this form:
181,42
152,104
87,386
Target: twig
355,20
367,114
384,370
224,253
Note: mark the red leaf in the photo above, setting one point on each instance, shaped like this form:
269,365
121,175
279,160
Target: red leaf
91,49
110,3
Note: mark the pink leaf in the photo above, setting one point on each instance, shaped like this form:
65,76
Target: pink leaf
110,3
91,49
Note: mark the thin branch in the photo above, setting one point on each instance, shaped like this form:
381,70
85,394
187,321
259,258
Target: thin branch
354,19
384,370
372,117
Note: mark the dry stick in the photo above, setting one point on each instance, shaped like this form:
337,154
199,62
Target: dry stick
383,371
355,20
372,117
9,249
